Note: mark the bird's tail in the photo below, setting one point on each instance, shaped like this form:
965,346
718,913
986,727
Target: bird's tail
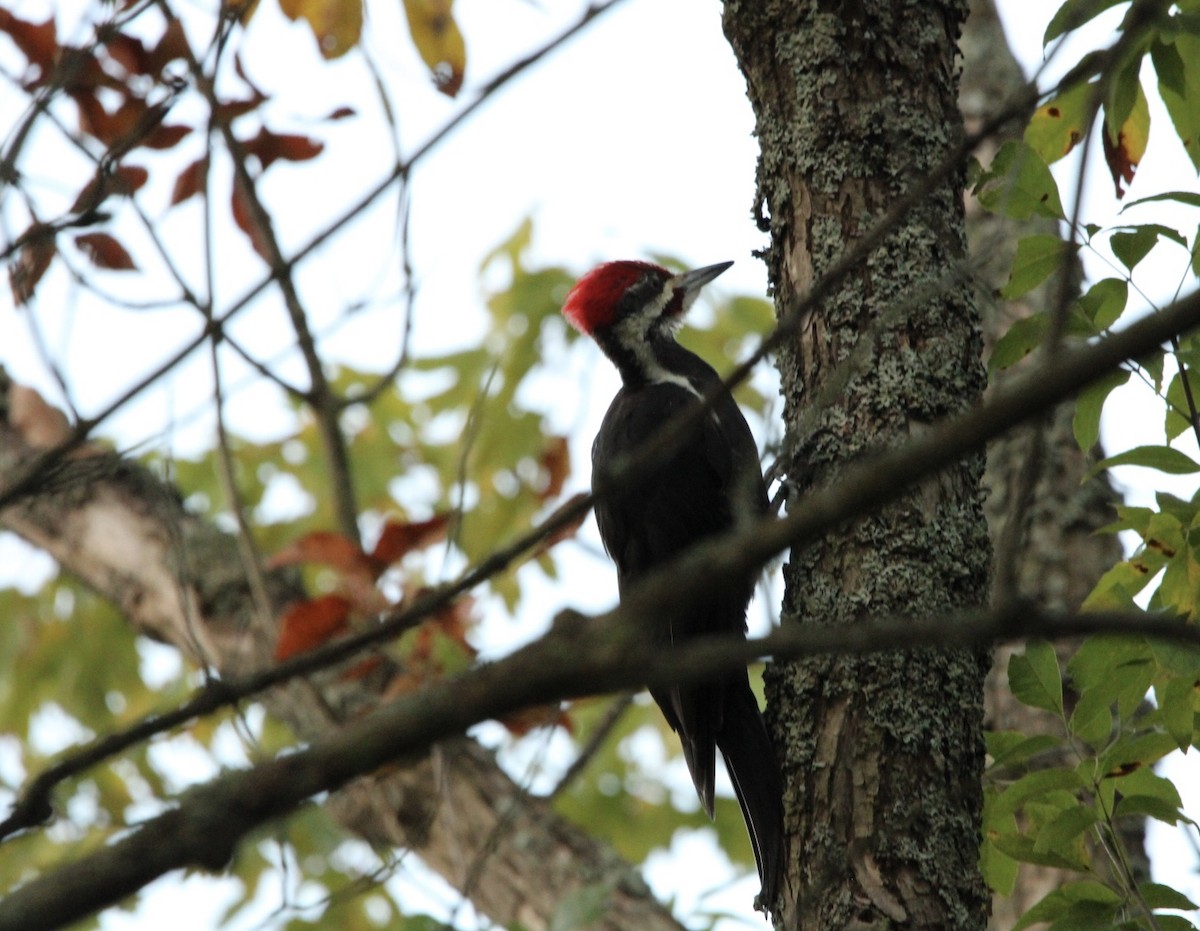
754,771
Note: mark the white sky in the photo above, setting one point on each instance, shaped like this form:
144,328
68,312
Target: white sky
635,138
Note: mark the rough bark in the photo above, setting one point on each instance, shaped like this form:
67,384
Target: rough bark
883,755
181,580
1061,555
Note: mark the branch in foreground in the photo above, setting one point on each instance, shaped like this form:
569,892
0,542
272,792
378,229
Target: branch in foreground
577,657
861,488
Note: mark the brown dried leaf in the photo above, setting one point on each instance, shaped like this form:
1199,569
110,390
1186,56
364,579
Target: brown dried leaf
37,250
105,252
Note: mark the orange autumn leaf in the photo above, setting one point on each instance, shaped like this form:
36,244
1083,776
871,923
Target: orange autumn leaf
556,461
520,723
400,538
305,625
323,547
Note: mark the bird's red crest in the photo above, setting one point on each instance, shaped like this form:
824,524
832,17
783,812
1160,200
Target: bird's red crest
592,303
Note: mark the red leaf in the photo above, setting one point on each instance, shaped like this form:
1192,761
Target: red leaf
324,547
165,137
189,181
243,217
1120,163
37,250
38,41
398,539
109,128
129,178
228,110
105,252
171,47
268,146
341,113
308,624
123,181
128,52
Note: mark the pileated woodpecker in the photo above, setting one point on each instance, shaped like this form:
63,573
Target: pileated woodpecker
632,310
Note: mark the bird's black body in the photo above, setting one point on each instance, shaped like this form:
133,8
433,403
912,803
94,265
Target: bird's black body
706,486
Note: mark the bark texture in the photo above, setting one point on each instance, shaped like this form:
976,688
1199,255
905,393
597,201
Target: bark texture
182,581
883,755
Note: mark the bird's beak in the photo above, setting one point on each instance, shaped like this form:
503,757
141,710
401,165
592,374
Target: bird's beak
691,282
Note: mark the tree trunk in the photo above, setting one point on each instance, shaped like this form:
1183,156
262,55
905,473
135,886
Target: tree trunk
856,103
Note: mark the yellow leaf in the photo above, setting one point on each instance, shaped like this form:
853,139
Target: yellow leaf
336,24
438,41
1124,153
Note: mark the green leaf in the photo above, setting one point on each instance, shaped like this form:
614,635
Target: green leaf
1147,806
999,869
1090,405
1019,185
1156,895
1020,847
1105,301
1038,257
1035,786
1178,419
1073,14
1035,678
1116,588
1062,831
1174,699
1091,721
1164,458
1008,748
1020,339
1133,245
1189,198
1056,127
1177,65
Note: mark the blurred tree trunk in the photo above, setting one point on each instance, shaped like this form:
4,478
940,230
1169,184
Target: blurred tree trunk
883,755
1061,557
